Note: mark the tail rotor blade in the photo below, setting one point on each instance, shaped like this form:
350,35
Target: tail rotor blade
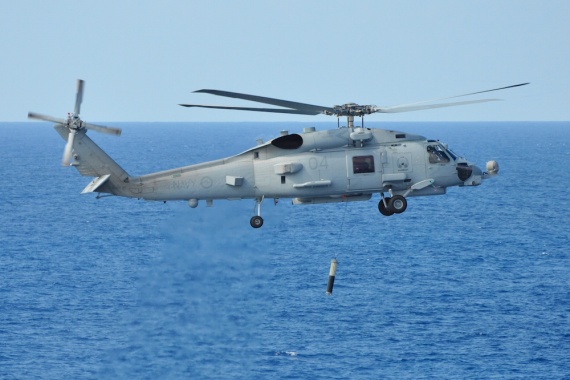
68,148
79,96
39,116
103,129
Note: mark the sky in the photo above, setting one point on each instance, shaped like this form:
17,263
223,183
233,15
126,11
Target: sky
140,59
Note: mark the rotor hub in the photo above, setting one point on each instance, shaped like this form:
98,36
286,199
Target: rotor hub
74,122
352,109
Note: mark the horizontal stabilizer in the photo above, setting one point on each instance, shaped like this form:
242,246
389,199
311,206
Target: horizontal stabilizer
95,184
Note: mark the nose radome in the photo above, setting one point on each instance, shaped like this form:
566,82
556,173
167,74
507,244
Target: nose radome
492,168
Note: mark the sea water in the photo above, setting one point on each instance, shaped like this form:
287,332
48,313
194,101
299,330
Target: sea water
473,284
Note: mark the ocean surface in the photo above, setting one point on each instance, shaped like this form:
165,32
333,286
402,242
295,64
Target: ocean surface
471,285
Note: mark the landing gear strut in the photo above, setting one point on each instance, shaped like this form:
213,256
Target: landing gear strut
257,221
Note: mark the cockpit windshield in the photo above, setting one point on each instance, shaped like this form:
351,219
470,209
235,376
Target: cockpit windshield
437,154
452,154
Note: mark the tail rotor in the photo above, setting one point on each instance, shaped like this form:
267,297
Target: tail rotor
74,124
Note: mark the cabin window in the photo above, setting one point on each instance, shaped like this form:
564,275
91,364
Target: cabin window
362,164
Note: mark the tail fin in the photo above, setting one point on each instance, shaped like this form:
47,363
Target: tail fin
91,161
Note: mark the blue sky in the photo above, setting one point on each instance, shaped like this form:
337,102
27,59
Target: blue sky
141,58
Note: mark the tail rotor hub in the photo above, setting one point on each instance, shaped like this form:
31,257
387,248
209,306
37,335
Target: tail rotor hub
73,122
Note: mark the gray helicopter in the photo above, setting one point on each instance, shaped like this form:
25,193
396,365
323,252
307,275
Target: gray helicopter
345,164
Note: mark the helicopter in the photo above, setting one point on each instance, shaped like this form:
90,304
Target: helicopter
346,164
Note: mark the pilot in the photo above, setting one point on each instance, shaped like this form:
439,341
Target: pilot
433,157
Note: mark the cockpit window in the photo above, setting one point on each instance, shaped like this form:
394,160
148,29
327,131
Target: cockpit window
437,154
363,164
452,154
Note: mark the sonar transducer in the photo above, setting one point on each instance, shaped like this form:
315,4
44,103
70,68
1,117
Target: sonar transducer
332,274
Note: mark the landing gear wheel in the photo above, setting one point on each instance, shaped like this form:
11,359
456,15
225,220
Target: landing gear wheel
383,210
256,221
397,204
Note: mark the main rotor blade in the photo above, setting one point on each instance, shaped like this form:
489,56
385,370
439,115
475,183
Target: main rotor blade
39,116
275,110
102,129
397,109
275,102
402,106
494,89
78,96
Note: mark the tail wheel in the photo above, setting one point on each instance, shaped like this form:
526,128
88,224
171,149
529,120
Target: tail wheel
256,221
383,210
397,204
